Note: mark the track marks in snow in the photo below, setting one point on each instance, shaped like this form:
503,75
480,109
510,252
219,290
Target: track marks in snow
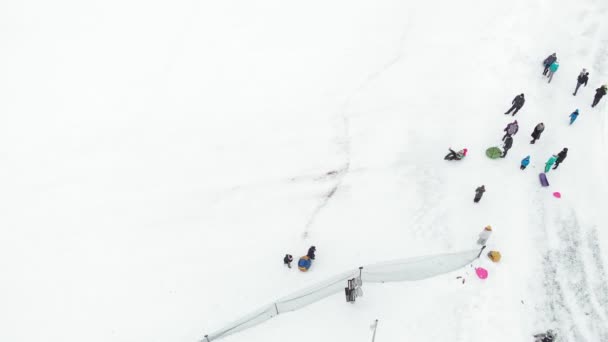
575,281
344,138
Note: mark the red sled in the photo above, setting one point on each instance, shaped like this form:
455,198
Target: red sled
543,179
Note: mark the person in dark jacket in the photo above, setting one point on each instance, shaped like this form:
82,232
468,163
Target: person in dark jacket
560,157
549,336
510,130
599,93
517,103
311,252
537,131
583,78
453,155
507,146
478,193
548,61
287,260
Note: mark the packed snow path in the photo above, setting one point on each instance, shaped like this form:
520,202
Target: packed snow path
157,160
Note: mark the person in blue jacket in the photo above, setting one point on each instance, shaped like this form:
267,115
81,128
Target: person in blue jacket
552,70
573,116
525,162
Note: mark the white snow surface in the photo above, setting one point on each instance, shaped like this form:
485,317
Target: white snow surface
158,159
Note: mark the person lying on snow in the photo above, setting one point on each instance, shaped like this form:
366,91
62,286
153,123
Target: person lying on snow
453,155
549,336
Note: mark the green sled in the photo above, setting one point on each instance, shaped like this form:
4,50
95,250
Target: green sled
493,152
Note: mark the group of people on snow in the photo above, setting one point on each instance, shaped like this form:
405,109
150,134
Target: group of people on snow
288,259
551,65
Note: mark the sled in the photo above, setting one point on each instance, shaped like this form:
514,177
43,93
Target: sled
494,256
304,263
493,152
482,273
543,179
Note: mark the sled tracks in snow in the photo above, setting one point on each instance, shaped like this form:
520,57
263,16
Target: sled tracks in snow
575,282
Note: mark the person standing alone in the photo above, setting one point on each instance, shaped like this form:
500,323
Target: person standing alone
583,78
517,103
599,93
537,132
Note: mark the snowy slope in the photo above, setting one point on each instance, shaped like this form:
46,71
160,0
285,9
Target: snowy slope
158,159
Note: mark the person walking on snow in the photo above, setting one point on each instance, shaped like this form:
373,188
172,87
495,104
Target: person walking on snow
550,163
311,252
287,260
560,157
510,130
573,116
537,131
517,103
599,93
484,235
552,70
507,146
525,162
478,193
548,61
583,78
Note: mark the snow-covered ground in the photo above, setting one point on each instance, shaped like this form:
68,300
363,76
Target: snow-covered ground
158,159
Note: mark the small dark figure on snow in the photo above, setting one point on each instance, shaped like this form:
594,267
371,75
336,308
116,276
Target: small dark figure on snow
583,78
517,103
599,93
287,260
548,61
311,252
453,155
478,193
507,146
560,157
537,131
549,336
510,130
525,162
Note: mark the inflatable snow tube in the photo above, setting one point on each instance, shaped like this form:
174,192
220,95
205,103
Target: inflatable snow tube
304,263
493,152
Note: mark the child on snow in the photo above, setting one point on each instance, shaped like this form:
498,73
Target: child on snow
311,252
573,116
484,235
525,162
552,70
287,260
548,61
550,163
